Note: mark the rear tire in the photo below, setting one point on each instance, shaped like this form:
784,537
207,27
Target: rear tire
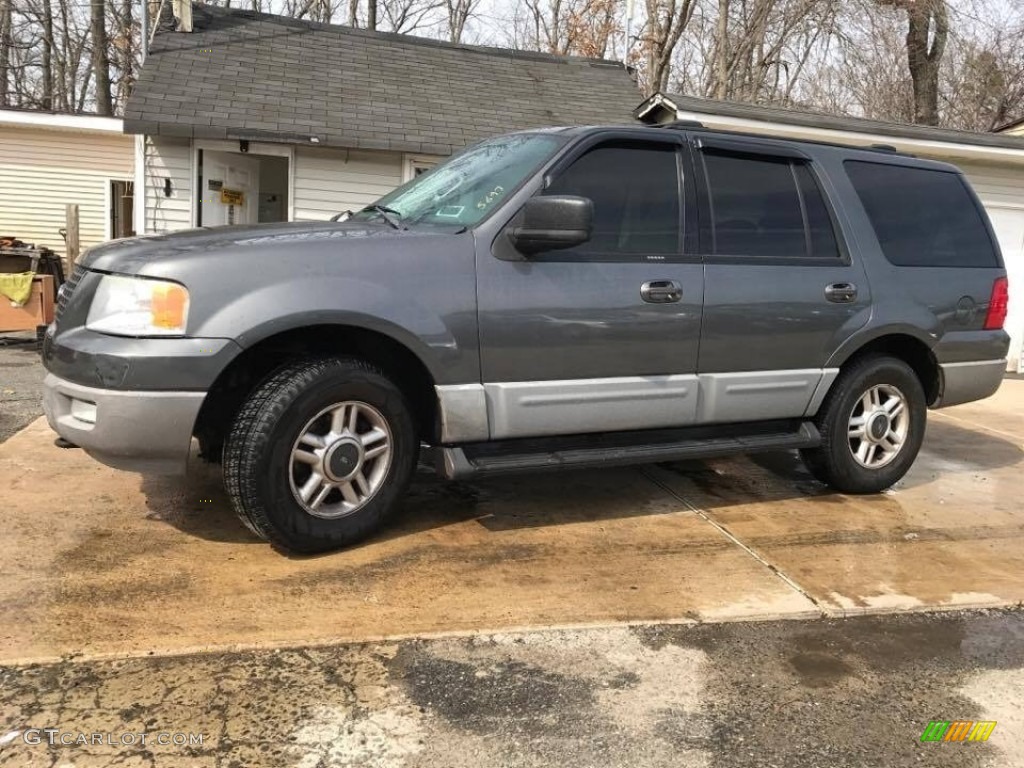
319,454
872,424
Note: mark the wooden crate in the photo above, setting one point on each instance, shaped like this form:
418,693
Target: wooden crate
38,310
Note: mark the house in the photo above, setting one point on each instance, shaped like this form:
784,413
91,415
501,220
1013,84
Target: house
258,118
993,162
48,161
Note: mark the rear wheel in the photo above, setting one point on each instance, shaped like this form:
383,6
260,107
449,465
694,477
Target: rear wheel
872,425
319,454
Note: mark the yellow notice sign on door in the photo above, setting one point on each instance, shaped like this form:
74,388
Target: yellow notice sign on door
232,196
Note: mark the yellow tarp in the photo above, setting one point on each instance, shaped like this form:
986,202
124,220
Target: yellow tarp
17,286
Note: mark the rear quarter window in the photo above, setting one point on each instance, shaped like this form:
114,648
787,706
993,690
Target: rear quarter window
923,217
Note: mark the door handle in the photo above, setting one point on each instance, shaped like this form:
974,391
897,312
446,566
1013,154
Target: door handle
841,293
661,291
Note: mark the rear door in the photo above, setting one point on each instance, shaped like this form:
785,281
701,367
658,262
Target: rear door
603,336
781,290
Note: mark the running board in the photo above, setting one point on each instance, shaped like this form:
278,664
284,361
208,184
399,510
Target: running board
617,449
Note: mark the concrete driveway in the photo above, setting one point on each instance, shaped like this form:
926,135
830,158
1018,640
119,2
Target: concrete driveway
98,562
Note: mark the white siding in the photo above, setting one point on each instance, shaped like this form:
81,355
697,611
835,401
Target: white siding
999,185
168,159
1001,189
41,171
328,181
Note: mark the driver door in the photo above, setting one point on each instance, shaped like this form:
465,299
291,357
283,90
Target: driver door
603,336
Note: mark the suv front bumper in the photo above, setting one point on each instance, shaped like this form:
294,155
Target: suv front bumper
138,431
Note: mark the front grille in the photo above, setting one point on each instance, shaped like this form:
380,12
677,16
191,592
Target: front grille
65,290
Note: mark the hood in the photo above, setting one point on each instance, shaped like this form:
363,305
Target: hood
131,255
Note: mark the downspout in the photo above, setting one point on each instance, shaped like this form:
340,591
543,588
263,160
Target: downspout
139,202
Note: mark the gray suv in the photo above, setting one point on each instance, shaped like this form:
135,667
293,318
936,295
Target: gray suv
548,299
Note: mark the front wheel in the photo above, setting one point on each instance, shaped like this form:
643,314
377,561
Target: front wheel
872,425
319,454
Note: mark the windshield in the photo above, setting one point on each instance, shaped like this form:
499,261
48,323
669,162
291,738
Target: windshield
465,188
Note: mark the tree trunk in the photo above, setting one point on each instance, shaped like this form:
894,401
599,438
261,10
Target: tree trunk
47,75
928,29
100,58
353,13
5,52
722,51
371,14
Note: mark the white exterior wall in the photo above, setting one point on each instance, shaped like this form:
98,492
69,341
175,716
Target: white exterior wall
1001,189
42,170
168,158
328,181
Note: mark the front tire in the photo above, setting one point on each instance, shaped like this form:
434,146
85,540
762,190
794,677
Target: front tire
872,424
319,454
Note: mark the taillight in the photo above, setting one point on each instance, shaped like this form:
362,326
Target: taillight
997,304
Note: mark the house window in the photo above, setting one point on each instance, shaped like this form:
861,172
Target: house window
415,165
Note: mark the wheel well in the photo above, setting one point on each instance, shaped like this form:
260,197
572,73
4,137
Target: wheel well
913,352
247,370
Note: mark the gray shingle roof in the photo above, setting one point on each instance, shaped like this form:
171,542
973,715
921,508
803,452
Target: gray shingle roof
241,74
807,118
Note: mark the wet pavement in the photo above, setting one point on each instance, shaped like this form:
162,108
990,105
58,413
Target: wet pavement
854,692
100,562
21,383
567,619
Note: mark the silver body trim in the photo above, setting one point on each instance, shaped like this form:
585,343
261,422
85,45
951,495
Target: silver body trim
828,378
137,431
496,411
965,382
567,407
463,413
756,395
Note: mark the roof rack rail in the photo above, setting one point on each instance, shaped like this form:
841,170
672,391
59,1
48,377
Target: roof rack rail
885,148
680,125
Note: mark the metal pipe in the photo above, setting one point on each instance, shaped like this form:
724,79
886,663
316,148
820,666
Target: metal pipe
145,31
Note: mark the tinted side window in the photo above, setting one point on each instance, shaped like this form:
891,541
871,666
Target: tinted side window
923,218
635,191
767,207
820,231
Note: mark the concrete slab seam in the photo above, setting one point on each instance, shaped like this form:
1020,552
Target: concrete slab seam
786,579
979,425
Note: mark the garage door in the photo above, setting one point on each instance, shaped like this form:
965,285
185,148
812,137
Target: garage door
1001,189
1009,226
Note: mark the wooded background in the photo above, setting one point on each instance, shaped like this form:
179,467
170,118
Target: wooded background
957,64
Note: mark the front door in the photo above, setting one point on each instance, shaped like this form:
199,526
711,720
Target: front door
603,336
781,291
230,189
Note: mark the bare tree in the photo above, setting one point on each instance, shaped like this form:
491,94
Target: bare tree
5,52
567,27
406,16
100,56
666,21
458,14
47,73
927,33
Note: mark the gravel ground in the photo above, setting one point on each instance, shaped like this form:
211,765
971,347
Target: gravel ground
21,383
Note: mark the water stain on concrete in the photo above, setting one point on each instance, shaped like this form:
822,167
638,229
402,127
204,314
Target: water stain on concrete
852,693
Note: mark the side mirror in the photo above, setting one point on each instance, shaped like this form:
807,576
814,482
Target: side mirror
552,222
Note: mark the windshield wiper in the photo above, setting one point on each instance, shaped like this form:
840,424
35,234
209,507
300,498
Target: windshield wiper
390,215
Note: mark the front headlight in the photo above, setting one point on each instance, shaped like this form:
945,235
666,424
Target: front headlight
134,306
